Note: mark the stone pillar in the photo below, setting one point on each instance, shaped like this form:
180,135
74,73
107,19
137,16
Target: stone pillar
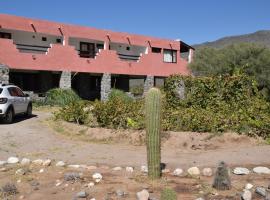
180,89
190,55
148,83
65,80
105,86
4,74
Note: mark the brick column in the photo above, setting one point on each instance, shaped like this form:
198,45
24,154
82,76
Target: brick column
148,83
65,80
105,86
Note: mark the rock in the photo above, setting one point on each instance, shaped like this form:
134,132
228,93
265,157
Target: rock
60,164
207,172
129,169
91,167
267,197
177,172
117,168
47,162
247,195
2,163
12,160
144,169
193,171
248,186
74,166
83,166
20,172
41,170
97,177
34,183
261,170
3,169
19,181
261,191
82,194
37,162
143,195
222,180
21,197
25,161
91,184
73,176
165,171
58,184
120,193
241,171
200,198
162,166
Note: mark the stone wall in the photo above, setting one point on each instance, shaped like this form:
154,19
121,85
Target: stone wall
4,74
148,83
105,86
65,80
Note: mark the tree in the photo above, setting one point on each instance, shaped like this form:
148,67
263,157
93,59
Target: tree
248,58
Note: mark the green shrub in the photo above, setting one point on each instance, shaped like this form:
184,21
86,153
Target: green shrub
168,194
79,112
119,94
61,97
119,111
217,104
137,90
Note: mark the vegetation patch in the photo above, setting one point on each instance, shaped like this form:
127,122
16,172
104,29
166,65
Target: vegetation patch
206,104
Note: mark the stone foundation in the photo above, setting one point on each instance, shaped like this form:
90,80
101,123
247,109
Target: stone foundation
105,86
4,74
148,83
65,80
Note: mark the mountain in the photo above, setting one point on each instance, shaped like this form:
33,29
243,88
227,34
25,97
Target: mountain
260,37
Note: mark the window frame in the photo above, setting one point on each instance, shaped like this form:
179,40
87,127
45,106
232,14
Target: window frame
174,57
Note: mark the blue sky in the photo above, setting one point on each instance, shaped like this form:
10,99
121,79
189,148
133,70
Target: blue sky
193,21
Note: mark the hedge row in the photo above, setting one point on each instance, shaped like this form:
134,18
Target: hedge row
208,104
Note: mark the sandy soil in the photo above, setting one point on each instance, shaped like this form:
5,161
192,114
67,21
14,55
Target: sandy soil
38,186
39,138
33,138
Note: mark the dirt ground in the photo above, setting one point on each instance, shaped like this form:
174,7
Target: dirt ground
34,138
39,137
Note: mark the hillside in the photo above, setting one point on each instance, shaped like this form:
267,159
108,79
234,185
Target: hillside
259,37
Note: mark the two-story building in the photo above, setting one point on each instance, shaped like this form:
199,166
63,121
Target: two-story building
42,55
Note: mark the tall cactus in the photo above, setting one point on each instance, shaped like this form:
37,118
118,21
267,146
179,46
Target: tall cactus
153,128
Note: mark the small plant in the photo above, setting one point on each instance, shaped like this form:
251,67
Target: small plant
9,189
137,90
153,129
61,97
78,112
168,194
222,179
119,94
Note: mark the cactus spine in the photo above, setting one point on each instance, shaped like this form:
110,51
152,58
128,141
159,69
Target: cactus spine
153,128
